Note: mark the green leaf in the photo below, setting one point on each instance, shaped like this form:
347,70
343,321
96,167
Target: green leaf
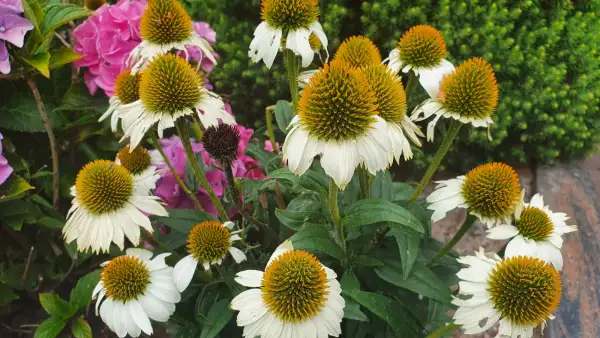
316,238
33,12
382,186
50,328
183,220
81,295
219,315
20,113
401,191
51,223
309,214
349,281
60,14
315,181
352,310
284,174
13,187
421,280
372,211
283,114
408,242
56,306
189,177
389,310
80,328
7,294
367,261
39,61
62,57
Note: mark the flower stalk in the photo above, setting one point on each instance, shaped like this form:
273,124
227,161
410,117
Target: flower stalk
182,130
464,228
270,130
365,182
449,137
335,212
187,191
293,71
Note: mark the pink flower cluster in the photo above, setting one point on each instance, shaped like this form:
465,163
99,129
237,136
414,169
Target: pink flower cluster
171,193
5,168
106,39
13,28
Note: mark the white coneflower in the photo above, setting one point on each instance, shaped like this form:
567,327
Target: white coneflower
469,95
520,292
133,290
491,192
536,232
296,296
391,102
298,19
337,119
139,163
208,244
166,26
127,88
109,203
422,49
170,89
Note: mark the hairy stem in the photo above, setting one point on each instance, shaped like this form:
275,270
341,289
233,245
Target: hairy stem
51,138
439,156
335,212
270,130
365,185
235,196
187,191
293,70
461,232
182,130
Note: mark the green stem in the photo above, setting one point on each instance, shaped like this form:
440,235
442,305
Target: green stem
444,330
182,130
461,232
226,278
365,185
187,191
293,70
335,212
449,136
270,130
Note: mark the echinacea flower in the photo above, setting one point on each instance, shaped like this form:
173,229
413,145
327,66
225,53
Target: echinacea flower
468,94
127,88
13,28
521,292
208,244
421,50
358,51
296,296
134,289
165,25
139,163
108,204
170,88
5,168
491,192
298,19
391,102
337,119
536,232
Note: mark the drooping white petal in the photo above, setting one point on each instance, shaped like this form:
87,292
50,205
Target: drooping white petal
431,78
237,254
249,278
504,231
183,272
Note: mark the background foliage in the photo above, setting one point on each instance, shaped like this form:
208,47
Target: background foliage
544,54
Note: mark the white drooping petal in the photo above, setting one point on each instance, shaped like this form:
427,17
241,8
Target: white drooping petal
297,41
237,254
504,231
184,272
316,28
431,78
393,61
520,246
265,44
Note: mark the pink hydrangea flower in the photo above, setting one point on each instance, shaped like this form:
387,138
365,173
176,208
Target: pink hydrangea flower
107,38
171,193
5,168
13,28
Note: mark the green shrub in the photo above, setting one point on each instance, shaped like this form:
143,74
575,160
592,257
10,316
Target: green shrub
545,54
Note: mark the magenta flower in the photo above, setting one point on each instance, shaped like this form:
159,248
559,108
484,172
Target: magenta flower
107,38
105,41
13,28
5,169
